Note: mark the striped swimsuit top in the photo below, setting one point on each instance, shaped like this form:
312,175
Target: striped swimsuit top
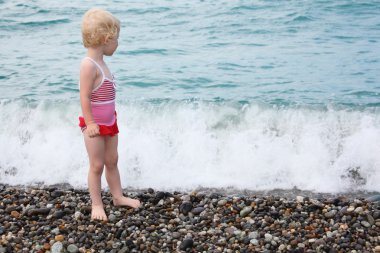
103,99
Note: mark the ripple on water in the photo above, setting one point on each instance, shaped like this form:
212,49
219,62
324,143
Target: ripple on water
45,22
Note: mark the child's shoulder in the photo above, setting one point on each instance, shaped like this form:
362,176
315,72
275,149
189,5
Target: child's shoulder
87,66
87,63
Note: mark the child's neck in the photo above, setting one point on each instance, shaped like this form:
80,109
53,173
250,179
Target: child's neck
95,53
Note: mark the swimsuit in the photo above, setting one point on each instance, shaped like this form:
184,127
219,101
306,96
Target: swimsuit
103,105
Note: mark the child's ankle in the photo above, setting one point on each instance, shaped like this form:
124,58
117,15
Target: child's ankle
117,197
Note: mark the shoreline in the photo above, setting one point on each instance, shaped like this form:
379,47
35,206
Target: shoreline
226,191
56,218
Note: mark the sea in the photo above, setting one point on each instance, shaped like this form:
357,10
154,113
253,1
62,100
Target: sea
223,94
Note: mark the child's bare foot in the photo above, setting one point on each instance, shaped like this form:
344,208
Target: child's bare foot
98,213
124,201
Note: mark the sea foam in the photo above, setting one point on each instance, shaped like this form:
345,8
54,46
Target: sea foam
184,145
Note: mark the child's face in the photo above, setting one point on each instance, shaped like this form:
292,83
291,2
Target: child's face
111,46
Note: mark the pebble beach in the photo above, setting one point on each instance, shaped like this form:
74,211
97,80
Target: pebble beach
53,219
274,105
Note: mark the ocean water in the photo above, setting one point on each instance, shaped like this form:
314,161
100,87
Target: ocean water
256,95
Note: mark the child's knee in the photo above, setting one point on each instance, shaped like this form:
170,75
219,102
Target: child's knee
111,161
97,166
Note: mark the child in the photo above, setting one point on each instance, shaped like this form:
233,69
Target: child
100,33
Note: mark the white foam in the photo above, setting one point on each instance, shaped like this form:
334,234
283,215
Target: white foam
186,145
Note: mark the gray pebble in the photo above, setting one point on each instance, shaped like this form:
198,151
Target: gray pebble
222,202
124,250
72,248
253,235
330,214
55,231
268,237
198,210
176,235
57,247
370,219
112,218
246,210
78,215
254,242
365,224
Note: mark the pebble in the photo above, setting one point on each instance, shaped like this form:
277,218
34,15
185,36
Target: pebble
301,245
176,235
268,237
246,210
56,194
47,246
317,203
55,231
72,248
254,242
253,235
198,210
343,210
230,230
112,218
370,219
57,247
54,220
330,214
78,215
124,250
38,211
59,238
222,202
185,207
359,210
186,244
58,214
15,214
365,224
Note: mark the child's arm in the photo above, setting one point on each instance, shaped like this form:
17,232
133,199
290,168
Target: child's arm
87,80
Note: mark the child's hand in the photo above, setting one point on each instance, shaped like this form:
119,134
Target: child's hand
93,130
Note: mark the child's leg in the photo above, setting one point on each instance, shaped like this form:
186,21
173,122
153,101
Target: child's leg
113,176
95,149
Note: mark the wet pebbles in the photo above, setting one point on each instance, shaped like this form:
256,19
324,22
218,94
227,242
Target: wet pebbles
48,219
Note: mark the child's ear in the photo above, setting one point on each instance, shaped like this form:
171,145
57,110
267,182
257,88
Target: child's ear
106,39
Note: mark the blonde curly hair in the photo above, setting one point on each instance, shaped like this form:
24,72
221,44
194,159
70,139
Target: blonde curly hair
98,26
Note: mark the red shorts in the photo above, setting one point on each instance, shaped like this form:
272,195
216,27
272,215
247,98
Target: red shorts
103,130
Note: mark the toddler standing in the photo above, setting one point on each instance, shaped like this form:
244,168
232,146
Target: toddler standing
100,33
